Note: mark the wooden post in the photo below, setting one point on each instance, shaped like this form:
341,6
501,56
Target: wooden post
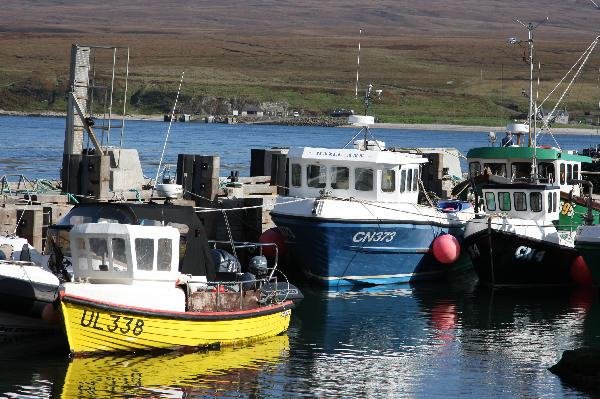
95,176
252,219
206,187
71,169
185,173
30,225
279,172
257,162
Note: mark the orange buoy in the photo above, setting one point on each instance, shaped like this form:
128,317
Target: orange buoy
274,236
446,248
580,272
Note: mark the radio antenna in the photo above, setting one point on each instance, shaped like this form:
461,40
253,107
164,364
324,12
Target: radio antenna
357,64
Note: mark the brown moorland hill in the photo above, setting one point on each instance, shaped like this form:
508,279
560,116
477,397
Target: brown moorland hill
436,60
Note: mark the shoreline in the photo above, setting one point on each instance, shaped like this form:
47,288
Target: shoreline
477,129
396,126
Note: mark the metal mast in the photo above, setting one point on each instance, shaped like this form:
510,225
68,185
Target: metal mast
530,29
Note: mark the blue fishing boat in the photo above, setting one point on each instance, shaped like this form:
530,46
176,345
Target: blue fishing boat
353,216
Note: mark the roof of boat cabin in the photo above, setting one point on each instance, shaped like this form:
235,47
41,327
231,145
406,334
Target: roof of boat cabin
354,155
515,152
520,186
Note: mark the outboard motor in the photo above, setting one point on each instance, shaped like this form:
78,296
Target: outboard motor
248,281
258,266
225,262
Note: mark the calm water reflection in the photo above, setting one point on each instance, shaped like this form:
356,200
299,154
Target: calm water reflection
434,340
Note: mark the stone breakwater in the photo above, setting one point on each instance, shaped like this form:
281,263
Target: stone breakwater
298,121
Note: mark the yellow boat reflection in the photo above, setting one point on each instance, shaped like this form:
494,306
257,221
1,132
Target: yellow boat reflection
173,374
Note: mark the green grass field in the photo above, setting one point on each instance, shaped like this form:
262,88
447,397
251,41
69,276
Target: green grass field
448,66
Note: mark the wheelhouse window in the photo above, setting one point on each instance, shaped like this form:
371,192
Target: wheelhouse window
535,201
409,179
164,254
99,253
520,201
144,253
490,201
388,180
546,172
520,170
562,173
474,169
403,180
340,177
82,262
119,254
576,171
415,182
504,201
296,175
316,176
569,172
363,179
498,169
555,204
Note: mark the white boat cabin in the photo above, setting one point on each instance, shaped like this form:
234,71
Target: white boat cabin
124,253
371,174
537,202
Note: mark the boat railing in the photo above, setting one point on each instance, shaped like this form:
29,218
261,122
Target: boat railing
17,262
249,287
246,292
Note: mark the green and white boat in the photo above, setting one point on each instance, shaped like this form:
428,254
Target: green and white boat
497,241
554,166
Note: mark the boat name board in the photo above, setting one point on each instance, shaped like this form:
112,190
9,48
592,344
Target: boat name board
374,236
527,253
335,154
522,253
120,324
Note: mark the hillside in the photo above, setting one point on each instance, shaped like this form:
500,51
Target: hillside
436,60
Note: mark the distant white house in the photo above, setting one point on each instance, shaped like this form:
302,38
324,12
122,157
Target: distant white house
252,110
235,112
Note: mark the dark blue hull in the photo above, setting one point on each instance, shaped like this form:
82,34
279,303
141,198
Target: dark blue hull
352,253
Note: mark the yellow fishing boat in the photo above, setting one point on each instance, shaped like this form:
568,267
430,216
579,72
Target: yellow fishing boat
128,293
174,372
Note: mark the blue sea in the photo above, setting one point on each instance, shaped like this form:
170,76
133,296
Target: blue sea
437,340
33,146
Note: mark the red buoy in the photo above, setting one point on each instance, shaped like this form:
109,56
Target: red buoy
580,272
272,235
446,248
50,315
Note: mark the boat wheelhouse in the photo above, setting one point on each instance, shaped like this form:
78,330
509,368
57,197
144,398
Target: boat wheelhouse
554,166
516,242
353,216
372,175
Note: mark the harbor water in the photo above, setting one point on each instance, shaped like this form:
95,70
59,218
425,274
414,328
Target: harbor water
432,340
